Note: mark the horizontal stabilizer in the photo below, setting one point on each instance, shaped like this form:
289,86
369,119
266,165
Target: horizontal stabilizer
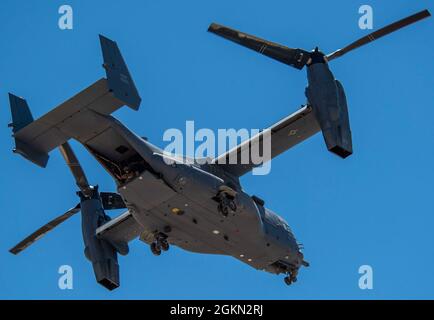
78,117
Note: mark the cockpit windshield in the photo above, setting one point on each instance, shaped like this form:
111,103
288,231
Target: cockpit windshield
277,220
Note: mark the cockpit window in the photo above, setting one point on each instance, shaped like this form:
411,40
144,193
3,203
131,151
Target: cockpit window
286,226
276,220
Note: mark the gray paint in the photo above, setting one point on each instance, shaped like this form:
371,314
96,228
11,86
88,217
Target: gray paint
327,97
182,203
99,252
176,202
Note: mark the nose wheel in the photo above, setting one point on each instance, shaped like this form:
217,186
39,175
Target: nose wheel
291,277
289,280
155,249
159,244
164,245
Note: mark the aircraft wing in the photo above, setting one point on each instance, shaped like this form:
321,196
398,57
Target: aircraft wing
285,134
119,231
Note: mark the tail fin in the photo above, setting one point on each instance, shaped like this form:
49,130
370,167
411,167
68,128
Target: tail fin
76,117
118,76
21,118
21,115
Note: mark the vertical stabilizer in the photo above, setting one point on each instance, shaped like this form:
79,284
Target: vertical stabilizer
21,115
119,78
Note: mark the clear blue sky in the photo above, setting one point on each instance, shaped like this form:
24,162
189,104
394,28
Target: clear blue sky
376,207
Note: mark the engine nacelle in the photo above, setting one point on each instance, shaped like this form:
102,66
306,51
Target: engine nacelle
327,98
98,251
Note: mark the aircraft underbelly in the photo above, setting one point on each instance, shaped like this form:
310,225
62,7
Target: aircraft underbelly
195,224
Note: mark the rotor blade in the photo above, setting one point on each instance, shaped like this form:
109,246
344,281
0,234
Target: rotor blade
296,58
43,230
380,33
75,167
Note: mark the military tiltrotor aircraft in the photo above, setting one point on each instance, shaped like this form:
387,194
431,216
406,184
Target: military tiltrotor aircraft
172,200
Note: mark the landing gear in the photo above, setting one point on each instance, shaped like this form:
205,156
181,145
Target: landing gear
165,246
289,280
226,203
291,277
159,244
156,250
